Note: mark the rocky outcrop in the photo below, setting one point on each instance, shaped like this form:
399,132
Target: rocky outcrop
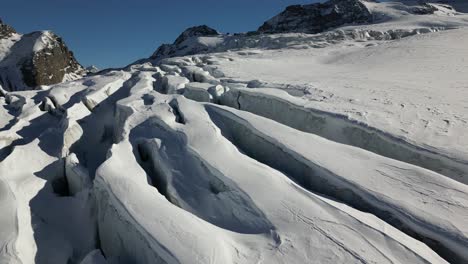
92,69
424,9
35,59
319,17
51,64
5,30
315,18
197,31
168,50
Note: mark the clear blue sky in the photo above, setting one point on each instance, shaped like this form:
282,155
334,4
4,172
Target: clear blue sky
113,33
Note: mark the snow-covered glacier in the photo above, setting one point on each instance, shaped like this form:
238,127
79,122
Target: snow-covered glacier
338,143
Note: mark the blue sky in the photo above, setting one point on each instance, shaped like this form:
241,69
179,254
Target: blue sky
113,33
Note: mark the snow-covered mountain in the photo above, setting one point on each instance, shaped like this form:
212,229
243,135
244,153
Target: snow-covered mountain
31,60
92,69
360,20
326,136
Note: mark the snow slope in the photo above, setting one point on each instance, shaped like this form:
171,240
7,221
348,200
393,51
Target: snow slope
413,89
346,146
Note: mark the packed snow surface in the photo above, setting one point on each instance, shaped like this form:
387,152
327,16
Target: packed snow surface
414,89
347,146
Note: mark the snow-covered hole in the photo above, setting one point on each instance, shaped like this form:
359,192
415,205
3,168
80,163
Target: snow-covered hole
340,129
319,179
190,183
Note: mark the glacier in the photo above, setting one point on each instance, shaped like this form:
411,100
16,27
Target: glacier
342,146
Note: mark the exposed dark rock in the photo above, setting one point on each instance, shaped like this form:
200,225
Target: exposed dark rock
38,58
163,50
5,30
424,9
92,69
457,5
167,50
315,18
49,66
198,31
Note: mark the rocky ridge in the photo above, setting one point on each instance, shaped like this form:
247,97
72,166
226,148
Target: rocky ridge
35,59
179,43
316,25
315,18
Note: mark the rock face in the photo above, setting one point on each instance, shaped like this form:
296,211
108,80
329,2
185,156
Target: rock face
315,18
167,50
5,30
198,31
35,59
51,64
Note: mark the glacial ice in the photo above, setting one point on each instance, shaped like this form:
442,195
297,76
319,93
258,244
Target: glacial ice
245,155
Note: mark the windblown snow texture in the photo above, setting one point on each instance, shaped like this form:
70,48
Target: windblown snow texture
275,146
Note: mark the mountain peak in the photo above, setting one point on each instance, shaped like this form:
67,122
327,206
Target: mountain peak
92,69
35,59
318,17
197,31
190,33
